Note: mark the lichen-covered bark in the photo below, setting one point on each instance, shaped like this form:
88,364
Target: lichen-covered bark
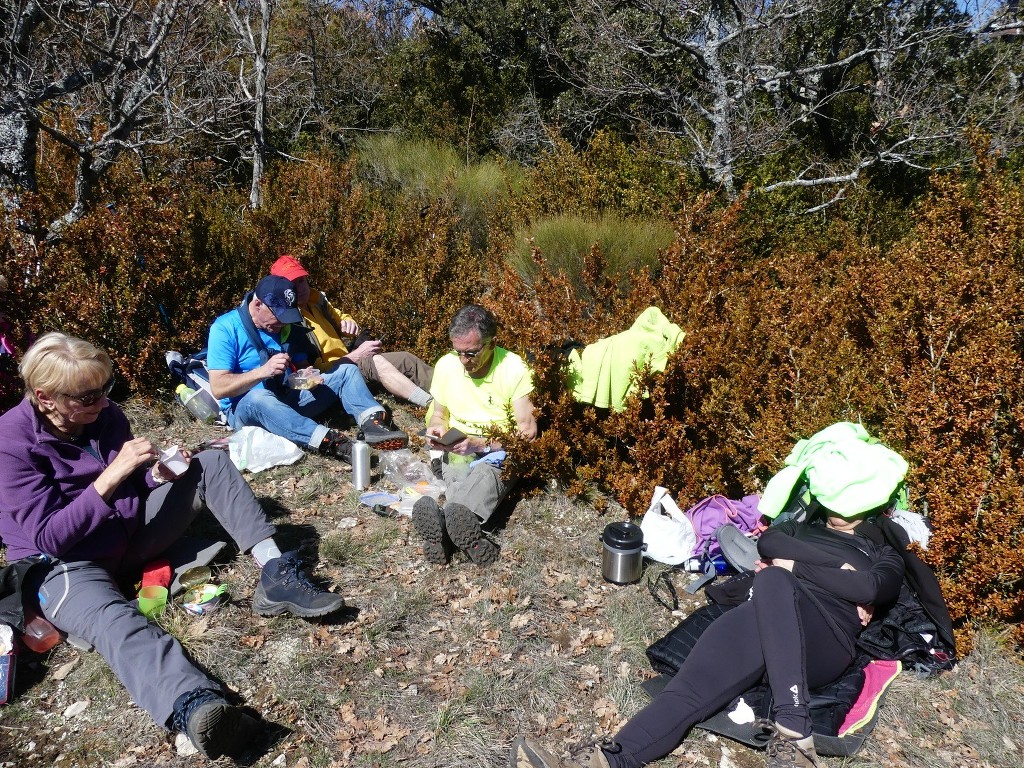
17,154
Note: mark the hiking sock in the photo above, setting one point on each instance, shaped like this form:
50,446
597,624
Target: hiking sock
420,397
265,551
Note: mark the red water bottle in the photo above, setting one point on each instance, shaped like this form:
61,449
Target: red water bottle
40,635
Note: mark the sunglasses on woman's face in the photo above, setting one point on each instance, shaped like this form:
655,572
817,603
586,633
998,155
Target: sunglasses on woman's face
85,399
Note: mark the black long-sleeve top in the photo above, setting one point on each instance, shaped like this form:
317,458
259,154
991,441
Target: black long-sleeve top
818,554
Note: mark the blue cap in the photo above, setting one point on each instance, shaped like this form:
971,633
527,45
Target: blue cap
278,293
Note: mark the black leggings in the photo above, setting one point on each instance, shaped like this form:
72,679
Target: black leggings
766,636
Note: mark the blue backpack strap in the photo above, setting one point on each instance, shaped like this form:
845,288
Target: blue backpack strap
250,328
257,342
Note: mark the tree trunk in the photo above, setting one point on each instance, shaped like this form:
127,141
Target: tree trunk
18,140
260,66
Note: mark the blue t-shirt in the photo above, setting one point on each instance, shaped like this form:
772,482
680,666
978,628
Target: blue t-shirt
230,349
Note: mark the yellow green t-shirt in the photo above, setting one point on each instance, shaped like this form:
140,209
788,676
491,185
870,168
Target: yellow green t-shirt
476,404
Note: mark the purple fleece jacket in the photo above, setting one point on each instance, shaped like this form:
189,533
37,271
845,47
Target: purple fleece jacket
48,503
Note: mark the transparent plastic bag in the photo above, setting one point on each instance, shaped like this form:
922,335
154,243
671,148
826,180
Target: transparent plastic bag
402,468
255,449
411,475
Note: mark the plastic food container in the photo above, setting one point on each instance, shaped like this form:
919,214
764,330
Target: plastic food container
307,378
205,599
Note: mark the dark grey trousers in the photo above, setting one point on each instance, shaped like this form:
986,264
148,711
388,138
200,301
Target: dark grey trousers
82,598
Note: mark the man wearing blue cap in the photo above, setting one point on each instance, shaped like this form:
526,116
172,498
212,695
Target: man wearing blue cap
254,349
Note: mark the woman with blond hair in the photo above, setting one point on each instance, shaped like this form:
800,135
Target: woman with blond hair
84,496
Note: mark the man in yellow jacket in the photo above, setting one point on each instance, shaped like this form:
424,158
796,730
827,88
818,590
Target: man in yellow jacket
400,373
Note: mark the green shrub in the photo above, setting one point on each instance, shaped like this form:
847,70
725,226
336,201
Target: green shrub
626,245
418,168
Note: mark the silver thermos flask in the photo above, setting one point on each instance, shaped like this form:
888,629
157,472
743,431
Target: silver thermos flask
360,463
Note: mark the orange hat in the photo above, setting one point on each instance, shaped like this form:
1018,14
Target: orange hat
288,267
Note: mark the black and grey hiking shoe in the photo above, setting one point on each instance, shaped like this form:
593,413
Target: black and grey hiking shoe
213,726
381,436
337,445
429,524
464,530
284,588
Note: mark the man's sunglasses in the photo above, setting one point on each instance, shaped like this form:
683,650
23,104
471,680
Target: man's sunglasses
89,398
473,355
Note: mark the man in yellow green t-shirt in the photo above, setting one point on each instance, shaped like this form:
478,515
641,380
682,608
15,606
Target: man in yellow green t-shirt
400,373
474,386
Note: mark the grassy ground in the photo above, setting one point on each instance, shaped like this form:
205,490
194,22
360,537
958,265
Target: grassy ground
434,666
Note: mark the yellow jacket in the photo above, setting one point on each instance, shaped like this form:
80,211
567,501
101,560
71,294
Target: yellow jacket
325,320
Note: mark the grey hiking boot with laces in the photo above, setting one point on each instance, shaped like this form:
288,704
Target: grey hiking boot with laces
284,588
788,749
527,753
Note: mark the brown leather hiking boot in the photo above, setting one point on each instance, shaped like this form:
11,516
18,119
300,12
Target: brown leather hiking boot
527,753
788,749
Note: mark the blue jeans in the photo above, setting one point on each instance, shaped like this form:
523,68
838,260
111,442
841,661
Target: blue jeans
290,413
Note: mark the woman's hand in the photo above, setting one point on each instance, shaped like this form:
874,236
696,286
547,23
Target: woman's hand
133,454
866,613
760,565
160,473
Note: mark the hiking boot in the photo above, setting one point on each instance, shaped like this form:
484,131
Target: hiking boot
213,726
382,437
527,753
337,445
429,524
464,530
284,588
788,749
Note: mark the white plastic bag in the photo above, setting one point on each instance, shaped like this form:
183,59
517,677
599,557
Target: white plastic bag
915,526
255,449
668,533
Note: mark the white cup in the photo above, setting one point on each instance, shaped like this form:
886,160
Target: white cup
173,461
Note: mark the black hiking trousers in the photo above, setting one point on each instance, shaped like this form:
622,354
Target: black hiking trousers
780,634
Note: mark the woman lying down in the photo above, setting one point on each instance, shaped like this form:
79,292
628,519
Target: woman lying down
815,587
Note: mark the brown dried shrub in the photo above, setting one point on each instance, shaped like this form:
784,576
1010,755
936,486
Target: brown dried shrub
788,331
920,342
